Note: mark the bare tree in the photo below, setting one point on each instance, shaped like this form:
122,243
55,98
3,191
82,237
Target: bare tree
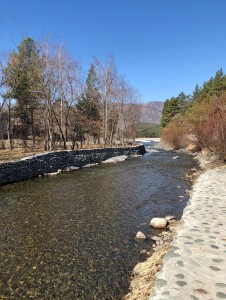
7,90
56,107
61,86
128,112
107,77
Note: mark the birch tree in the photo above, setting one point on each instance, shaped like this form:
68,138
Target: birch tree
107,81
61,89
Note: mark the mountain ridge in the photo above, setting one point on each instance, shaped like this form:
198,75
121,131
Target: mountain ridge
151,112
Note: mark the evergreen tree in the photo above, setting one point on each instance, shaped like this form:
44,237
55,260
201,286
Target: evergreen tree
219,81
174,106
214,86
183,102
89,103
22,77
196,93
170,109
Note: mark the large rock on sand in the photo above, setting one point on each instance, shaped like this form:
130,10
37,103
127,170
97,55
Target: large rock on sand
158,222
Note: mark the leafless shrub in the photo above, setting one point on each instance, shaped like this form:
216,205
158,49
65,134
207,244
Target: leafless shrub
210,128
175,134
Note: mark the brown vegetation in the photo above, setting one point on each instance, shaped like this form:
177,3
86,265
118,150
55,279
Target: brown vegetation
144,276
210,127
204,125
199,118
175,134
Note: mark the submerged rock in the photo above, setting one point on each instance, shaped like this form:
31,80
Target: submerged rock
140,237
176,157
158,222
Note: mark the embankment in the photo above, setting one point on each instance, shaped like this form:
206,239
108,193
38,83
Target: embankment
192,265
195,267
52,162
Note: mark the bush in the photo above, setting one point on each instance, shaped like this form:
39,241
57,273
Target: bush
175,134
210,127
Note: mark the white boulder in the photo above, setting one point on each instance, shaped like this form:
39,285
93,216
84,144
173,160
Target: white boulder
158,222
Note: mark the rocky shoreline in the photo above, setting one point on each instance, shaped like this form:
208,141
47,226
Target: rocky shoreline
144,274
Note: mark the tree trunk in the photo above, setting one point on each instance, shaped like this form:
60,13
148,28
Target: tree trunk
32,128
60,127
49,125
9,126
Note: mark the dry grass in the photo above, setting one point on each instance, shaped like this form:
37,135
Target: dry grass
144,274
11,155
18,153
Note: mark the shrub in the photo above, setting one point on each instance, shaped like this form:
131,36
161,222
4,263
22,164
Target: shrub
175,134
210,127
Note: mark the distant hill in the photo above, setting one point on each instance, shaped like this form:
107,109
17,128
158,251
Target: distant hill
151,112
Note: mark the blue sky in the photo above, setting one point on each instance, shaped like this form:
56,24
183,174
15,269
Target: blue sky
163,47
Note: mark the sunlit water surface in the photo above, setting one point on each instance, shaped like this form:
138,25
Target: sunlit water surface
71,236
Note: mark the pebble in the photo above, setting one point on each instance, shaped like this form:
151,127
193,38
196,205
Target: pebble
140,237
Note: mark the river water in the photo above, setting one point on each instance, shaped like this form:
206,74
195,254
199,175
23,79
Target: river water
71,236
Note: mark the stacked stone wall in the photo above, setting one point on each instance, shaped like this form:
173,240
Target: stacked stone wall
51,162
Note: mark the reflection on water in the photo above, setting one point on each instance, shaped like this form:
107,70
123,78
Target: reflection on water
72,236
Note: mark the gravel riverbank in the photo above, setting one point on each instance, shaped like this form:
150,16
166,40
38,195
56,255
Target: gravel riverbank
193,265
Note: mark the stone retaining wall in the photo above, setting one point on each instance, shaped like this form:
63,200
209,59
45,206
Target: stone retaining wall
51,162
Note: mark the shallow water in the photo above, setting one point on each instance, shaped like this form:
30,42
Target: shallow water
71,236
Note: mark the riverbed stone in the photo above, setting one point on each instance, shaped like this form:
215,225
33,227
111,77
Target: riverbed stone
156,238
140,236
158,223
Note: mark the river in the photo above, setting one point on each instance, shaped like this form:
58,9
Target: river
71,236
